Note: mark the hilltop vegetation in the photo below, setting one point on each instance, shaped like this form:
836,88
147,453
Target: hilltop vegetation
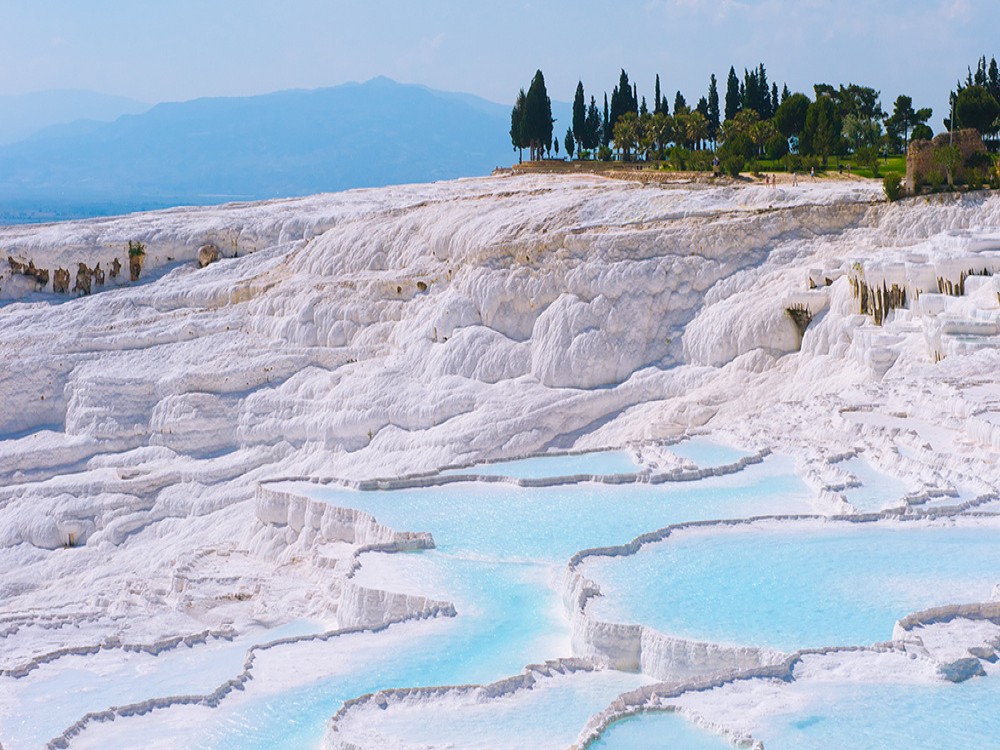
755,126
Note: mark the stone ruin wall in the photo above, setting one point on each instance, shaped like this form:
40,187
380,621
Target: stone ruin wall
920,156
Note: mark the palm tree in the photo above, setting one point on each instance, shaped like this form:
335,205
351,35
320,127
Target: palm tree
626,134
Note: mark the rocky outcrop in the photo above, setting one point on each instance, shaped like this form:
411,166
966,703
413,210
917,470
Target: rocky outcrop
207,254
83,279
41,275
60,282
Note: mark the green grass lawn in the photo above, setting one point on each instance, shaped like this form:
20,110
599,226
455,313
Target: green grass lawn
892,164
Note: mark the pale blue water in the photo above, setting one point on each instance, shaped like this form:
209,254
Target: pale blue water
500,554
840,584
599,463
876,716
549,717
659,730
707,453
878,490
847,715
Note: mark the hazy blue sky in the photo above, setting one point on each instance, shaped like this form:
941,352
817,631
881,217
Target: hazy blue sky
182,49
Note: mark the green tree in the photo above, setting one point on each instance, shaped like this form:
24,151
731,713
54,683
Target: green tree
696,127
626,134
904,118
656,95
821,133
538,116
791,115
605,125
732,94
593,130
660,130
680,103
622,100
517,130
569,143
977,108
579,116
713,109
860,132
948,158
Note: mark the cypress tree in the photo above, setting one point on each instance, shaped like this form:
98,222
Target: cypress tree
785,93
517,126
680,103
622,101
774,99
732,94
713,109
579,116
643,109
606,124
763,94
635,99
656,94
538,116
593,132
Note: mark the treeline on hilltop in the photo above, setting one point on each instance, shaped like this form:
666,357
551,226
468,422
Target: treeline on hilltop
755,121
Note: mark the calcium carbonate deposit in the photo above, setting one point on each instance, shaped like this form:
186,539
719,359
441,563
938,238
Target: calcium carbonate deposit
510,462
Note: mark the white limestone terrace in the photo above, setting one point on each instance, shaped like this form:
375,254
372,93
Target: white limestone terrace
389,333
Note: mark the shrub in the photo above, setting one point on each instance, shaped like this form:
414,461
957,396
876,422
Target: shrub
792,162
978,160
867,156
136,249
678,158
604,153
700,161
893,186
732,164
975,179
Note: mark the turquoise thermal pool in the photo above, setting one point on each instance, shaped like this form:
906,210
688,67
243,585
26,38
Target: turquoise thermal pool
500,556
797,584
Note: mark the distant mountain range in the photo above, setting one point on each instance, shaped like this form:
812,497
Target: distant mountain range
287,143
23,115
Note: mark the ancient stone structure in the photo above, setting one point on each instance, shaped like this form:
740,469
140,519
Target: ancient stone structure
116,268
60,282
920,158
207,254
41,275
135,266
83,278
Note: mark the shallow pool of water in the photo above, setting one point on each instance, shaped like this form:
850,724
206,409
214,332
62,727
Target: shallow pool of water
875,716
500,556
659,730
706,453
550,715
801,585
878,490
